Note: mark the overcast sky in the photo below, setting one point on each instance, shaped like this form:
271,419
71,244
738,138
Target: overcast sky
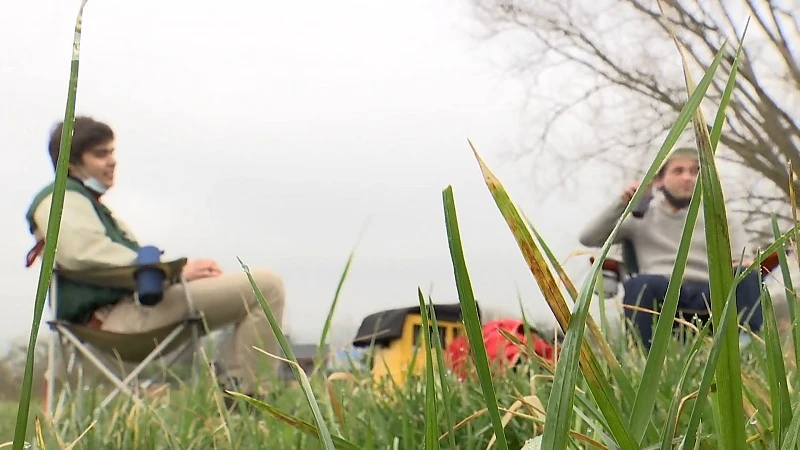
274,131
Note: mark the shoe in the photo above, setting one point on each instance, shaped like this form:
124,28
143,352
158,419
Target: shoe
231,402
227,382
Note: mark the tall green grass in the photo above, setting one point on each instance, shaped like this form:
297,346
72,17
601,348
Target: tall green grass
51,238
695,394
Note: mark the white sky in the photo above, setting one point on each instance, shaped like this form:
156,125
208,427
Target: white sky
277,129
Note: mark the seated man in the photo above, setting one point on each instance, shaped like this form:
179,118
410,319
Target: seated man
656,237
91,237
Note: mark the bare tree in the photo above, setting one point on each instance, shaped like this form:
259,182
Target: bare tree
627,88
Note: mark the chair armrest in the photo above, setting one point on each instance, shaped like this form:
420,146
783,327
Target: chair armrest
769,263
611,264
123,276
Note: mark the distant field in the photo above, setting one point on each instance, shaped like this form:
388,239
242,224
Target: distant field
8,417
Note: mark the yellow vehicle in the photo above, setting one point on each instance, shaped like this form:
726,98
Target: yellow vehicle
393,339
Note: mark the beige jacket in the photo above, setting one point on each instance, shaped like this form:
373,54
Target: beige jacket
82,240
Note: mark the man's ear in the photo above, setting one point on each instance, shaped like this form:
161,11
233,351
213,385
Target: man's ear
658,182
75,170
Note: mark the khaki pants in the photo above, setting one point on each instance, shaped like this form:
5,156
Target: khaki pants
224,300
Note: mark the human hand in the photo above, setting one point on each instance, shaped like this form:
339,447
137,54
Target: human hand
630,189
201,268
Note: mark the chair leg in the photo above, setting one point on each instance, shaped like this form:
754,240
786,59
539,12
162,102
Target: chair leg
79,388
68,363
195,332
50,377
82,352
85,352
196,352
121,385
190,346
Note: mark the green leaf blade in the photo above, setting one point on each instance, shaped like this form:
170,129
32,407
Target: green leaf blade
577,352
322,428
471,318
431,411
51,237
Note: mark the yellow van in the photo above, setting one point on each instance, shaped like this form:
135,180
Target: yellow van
393,339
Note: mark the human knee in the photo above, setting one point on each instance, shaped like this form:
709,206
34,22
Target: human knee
271,286
642,288
750,283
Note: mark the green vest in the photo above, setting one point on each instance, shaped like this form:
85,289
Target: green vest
78,301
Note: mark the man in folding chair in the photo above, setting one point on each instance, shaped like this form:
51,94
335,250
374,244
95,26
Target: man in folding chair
97,300
654,237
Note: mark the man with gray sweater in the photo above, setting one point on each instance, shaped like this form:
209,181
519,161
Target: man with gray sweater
656,237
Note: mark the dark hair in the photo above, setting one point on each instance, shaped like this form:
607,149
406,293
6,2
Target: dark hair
680,151
86,133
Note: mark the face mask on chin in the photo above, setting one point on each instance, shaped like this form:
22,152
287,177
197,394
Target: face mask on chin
95,185
678,203
92,183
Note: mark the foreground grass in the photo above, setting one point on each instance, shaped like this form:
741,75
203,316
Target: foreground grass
700,394
371,417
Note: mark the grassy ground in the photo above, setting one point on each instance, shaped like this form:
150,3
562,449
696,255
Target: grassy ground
8,415
369,416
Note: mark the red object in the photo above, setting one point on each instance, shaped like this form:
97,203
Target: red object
610,264
499,349
769,264
34,253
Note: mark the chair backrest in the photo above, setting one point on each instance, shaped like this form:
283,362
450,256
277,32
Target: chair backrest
629,259
52,297
625,264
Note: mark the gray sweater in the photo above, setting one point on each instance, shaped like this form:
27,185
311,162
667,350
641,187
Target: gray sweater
656,238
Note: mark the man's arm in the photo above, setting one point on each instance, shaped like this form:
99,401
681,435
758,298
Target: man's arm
598,230
82,240
739,240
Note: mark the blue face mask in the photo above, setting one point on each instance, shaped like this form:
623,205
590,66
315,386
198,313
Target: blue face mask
89,181
93,184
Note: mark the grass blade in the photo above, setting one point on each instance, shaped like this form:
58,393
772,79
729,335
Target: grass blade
51,238
431,413
776,370
645,399
322,429
442,377
328,320
728,398
690,433
596,336
471,320
772,248
646,395
576,351
728,401
319,357
791,300
791,441
729,395
298,424
668,430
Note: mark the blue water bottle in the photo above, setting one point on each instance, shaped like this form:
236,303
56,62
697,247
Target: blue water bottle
149,280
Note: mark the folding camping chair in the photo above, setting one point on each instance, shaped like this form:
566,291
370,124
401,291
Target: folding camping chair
83,341
628,267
